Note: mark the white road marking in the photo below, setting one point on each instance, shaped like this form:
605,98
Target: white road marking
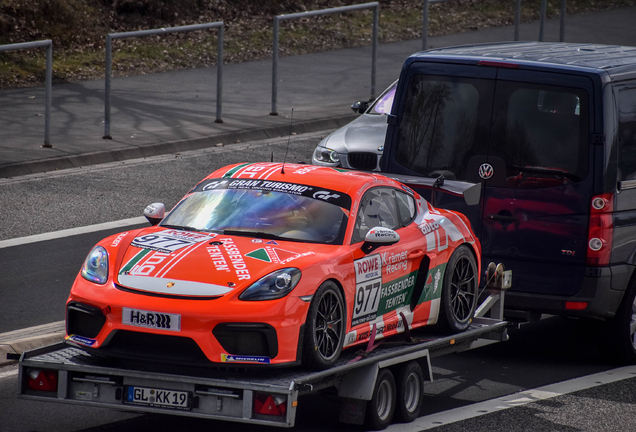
71,232
516,399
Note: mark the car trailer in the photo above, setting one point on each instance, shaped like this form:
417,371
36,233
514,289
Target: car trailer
386,378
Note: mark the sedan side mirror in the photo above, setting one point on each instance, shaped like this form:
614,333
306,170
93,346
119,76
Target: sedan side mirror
379,236
359,107
155,213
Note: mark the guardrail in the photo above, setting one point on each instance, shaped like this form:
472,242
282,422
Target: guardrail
161,31
542,15
375,6
48,79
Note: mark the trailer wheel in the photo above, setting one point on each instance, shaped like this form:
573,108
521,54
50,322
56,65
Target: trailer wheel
410,388
325,327
381,407
623,327
459,291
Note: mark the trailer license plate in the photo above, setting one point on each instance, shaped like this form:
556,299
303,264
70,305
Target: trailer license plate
152,397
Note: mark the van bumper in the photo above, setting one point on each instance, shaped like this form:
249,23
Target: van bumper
602,292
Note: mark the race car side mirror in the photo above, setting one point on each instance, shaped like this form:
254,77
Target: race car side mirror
379,236
155,213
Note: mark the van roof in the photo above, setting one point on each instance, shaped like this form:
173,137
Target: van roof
613,59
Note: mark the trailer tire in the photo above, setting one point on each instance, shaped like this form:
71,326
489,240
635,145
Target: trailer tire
324,328
623,327
459,291
409,384
381,407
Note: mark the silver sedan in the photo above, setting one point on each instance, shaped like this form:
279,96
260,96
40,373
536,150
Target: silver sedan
358,145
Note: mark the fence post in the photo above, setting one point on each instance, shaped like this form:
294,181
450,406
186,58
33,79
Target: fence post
161,31
517,18
48,84
276,31
424,24
562,27
275,67
542,19
108,71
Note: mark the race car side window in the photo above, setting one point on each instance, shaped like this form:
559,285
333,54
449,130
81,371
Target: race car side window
378,208
406,207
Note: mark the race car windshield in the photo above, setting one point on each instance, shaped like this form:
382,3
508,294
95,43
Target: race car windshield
260,213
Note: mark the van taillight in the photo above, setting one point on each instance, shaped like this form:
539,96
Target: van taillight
600,230
43,380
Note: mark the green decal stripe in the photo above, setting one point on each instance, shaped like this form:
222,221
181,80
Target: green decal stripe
429,292
396,293
130,264
259,254
233,171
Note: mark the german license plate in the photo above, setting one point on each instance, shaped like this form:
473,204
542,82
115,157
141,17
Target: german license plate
160,398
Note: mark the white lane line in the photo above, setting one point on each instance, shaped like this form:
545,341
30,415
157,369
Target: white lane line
71,232
515,400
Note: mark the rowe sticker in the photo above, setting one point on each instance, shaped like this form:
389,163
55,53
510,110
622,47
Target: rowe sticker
368,285
170,240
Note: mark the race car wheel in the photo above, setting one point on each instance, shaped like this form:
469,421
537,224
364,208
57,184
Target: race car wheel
410,388
325,327
623,327
381,407
459,291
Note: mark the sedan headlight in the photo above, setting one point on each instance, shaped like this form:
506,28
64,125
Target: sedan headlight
326,155
95,268
273,286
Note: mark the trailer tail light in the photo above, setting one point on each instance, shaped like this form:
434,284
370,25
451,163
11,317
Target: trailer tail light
600,231
275,405
42,380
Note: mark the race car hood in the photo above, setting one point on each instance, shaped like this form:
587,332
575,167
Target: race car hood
364,134
185,263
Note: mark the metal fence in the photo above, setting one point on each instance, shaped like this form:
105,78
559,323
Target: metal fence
162,31
375,6
48,44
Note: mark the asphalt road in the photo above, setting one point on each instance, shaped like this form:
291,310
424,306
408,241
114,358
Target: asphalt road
35,279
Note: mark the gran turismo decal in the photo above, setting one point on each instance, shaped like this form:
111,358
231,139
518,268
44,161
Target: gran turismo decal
334,197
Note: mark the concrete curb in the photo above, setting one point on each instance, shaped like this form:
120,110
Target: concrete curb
95,158
18,341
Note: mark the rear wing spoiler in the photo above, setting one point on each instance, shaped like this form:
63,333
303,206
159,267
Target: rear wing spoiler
471,192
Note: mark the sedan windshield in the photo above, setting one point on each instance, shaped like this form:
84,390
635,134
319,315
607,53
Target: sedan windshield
258,213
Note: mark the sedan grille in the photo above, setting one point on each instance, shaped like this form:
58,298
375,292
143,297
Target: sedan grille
363,161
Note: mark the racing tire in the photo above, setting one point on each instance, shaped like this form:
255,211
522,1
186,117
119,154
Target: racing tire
623,327
381,407
459,291
409,383
324,328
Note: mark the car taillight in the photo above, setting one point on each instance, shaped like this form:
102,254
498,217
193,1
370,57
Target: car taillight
600,230
43,380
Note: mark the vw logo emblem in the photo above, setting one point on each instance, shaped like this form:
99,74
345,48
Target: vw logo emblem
486,171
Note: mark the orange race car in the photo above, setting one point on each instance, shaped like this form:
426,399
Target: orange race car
269,264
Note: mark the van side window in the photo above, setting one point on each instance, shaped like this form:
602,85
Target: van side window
377,209
627,134
542,134
443,119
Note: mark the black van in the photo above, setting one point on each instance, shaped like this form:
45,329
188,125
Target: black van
549,130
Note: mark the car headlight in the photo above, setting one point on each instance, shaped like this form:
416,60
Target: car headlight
273,286
326,155
95,268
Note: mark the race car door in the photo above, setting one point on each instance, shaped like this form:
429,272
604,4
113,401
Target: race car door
386,275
